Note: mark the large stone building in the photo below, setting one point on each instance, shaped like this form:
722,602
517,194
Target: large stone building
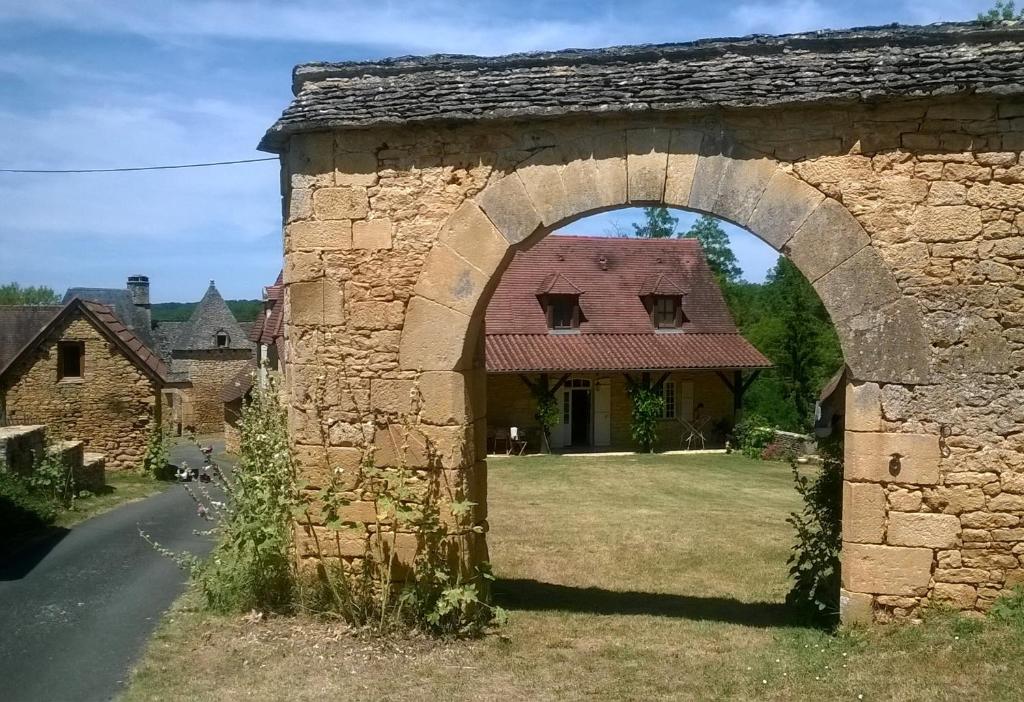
81,372
885,163
586,318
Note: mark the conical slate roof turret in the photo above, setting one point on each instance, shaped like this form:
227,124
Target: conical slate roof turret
210,322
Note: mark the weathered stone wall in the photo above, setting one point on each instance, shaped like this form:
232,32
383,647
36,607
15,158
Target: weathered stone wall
109,408
906,217
202,408
233,426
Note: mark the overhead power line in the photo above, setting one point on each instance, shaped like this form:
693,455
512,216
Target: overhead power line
135,168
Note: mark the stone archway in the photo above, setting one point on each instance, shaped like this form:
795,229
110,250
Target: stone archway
903,206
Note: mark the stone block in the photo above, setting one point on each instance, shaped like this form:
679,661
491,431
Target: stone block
451,397
302,267
340,203
323,466
1006,502
451,447
541,176
742,185
886,345
923,529
322,542
305,303
423,348
299,205
861,283
863,407
311,159
372,234
953,595
394,397
869,456
828,237
355,168
715,156
510,209
595,175
470,234
784,206
945,223
954,499
886,570
399,446
333,234
856,608
646,164
988,520
684,150
376,315
450,280
905,500
863,513
962,575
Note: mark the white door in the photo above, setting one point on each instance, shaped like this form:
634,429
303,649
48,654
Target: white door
684,399
603,412
560,432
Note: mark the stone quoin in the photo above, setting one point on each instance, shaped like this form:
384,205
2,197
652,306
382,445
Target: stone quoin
885,163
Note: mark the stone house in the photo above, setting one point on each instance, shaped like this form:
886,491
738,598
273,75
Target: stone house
82,372
204,353
590,315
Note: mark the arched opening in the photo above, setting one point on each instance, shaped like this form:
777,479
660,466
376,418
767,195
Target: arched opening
637,277
879,329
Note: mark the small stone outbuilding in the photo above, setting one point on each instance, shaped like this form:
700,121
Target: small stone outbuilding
83,374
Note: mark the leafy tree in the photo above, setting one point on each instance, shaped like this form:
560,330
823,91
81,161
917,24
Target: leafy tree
715,243
660,224
15,294
789,324
1001,12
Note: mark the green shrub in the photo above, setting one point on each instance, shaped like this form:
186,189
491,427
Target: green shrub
814,563
1010,607
157,457
647,408
752,434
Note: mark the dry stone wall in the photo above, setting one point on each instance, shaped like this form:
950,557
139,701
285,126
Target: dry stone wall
109,408
906,216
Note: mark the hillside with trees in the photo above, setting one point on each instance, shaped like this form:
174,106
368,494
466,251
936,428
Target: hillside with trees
244,310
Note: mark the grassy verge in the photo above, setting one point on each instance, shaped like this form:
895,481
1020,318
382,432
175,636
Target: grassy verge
636,578
122,487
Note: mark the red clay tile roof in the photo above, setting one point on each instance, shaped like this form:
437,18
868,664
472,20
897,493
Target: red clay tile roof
267,329
612,275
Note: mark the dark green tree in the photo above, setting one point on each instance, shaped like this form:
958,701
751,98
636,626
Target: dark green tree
15,294
659,224
1001,12
715,243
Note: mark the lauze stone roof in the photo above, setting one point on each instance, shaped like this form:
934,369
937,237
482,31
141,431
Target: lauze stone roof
211,316
616,333
812,68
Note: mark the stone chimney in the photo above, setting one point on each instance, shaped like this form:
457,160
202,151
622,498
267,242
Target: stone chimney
138,288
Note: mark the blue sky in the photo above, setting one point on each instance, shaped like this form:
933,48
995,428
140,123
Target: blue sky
108,83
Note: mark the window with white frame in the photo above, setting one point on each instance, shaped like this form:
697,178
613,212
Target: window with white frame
668,394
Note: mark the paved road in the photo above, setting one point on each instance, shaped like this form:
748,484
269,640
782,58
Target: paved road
75,613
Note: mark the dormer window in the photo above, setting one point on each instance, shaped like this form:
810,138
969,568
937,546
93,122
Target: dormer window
221,339
667,312
563,311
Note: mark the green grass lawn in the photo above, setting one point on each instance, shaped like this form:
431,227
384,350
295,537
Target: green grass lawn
628,578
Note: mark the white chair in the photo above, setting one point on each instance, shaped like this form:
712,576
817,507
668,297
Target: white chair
517,443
